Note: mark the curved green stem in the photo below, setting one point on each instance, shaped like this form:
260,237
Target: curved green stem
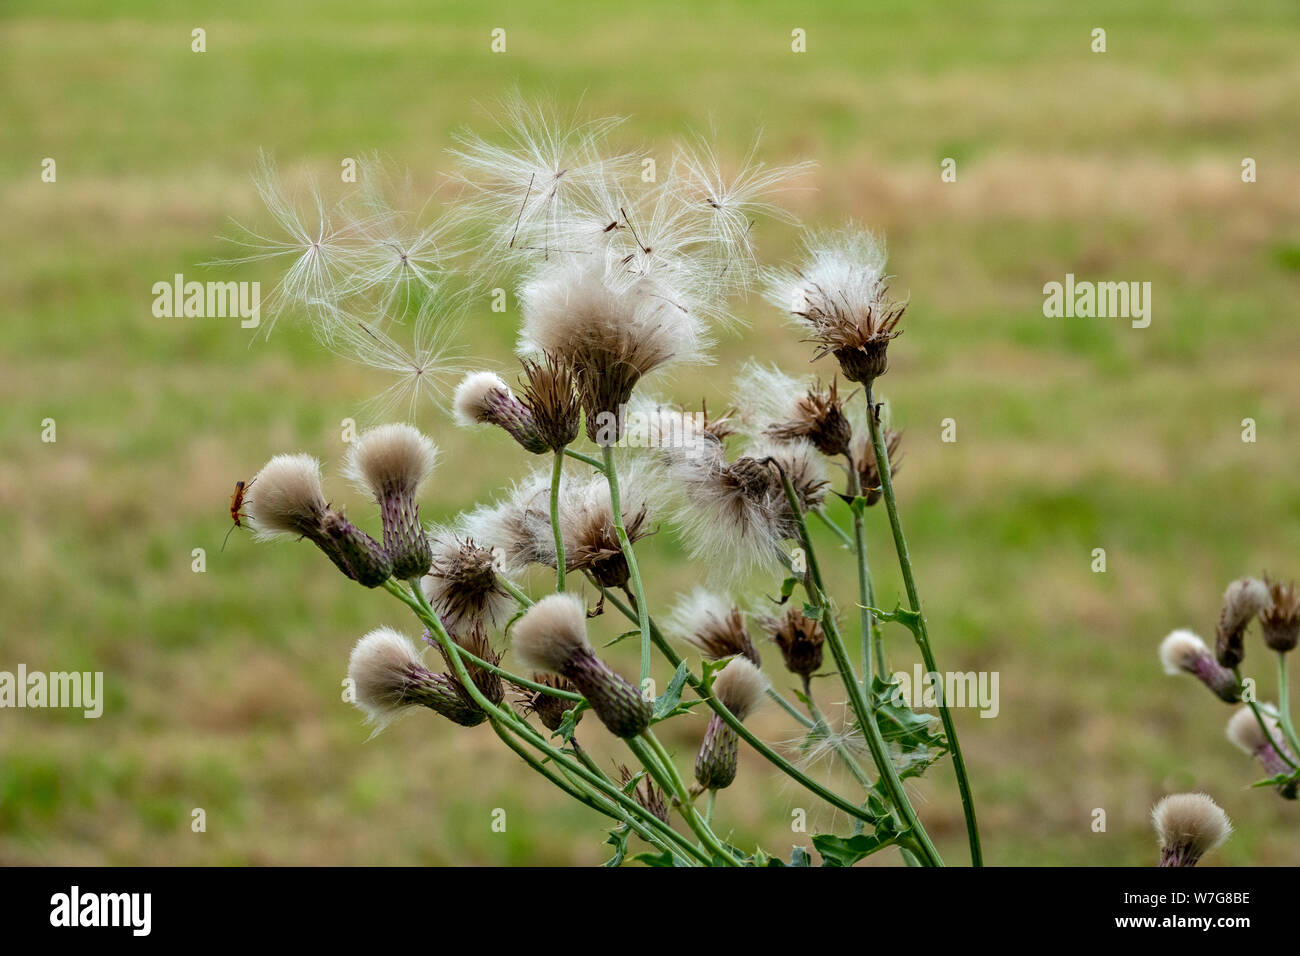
921,633
1263,725
832,526
743,732
684,803
1284,704
861,708
586,459
582,796
526,732
866,593
634,572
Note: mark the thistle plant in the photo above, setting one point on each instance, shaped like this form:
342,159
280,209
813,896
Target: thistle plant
618,281
1262,730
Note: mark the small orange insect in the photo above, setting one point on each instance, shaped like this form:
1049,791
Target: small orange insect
236,509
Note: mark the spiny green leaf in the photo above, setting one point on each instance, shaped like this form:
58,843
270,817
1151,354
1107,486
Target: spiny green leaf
837,851
672,696
800,856
569,722
618,839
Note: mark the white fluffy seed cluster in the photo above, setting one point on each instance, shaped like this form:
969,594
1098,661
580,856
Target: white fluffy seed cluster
285,496
379,669
1180,650
1191,821
740,686
391,458
471,403
550,633
1244,732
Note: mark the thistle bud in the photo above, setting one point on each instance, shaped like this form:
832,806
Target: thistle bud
1184,652
286,500
1249,737
739,687
799,638
1188,825
1280,621
551,637
483,398
391,462
388,677
357,555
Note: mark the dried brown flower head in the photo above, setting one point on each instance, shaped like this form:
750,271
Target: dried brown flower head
645,793
549,709
818,417
1281,620
550,393
799,638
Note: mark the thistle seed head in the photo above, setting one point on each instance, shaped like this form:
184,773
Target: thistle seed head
840,297
608,335
518,528
1242,601
550,393
483,398
286,499
740,686
551,633
391,462
462,585
1182,651
713,625
552,637
1280,621
1270,749
799,638
719,756
1188,826
388,677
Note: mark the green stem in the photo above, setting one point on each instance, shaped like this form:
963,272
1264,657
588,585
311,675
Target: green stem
866,595
523,730
832,526
514,591
587,459
1263,725
634,573
922,634
820,724
557,474
772,757
1284,703
709,807
582,796
684,803
861,708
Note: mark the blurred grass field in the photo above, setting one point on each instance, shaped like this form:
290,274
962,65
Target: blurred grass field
223,688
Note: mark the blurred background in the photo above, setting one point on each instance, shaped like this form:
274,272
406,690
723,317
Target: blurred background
223,688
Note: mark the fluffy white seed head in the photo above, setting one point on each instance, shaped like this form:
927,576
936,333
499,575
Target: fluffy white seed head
1242,600
285,497
1180,650
740,686
471,403
391,458
572,309
517,529
380,669
550,633
696,610
1244,732
1191,821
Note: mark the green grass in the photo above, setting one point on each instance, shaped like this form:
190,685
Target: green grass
223,687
